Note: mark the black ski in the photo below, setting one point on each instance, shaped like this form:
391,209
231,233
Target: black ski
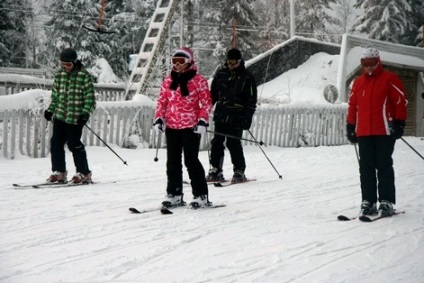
226,184
209,183
165,210
168,210
367,218
52,185
346,218
162,209
45,184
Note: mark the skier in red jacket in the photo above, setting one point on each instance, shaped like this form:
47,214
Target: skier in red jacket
375,119
182,113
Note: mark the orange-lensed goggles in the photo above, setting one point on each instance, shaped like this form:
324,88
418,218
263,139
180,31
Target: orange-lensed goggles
369,62
66,64
179,60
233,61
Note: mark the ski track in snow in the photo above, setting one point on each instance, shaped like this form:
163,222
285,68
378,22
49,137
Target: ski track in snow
271,230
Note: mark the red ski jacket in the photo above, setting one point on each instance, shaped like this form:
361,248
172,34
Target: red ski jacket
375,101
181,112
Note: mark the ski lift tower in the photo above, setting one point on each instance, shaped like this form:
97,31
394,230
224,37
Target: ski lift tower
151,47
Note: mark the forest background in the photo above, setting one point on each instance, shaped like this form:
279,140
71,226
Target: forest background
33,32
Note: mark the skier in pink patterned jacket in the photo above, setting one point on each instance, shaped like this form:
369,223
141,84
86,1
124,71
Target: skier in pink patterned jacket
182,113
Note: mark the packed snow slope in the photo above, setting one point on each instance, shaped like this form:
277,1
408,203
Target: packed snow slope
272,230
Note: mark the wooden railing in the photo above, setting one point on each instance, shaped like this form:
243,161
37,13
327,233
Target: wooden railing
104,92
29,133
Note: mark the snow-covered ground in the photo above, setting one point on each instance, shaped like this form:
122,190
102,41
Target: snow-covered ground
271,230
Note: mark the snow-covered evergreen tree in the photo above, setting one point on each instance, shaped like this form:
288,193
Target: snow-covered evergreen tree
312,18
274,23
386,20
14,18
221,14
417,15
75,23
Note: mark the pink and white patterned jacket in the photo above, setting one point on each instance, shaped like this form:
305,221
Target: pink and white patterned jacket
182,112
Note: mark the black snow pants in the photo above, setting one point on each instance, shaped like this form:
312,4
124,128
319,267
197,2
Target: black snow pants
178,142
71,135
376,168
234,146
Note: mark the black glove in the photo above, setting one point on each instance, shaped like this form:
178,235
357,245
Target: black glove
351,135
48,115
246,123
82,119
246,118
397,129
159,125
201,127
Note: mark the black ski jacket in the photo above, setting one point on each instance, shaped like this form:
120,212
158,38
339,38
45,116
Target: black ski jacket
235,95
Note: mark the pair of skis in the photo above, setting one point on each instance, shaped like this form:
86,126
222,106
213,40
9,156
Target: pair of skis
168,210
368,218
49,185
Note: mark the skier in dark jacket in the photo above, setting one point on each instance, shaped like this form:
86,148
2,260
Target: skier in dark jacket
234,94
72,102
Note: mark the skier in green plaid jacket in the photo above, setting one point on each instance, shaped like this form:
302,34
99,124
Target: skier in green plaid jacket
72,102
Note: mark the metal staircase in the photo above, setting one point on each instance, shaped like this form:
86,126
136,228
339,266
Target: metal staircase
151,48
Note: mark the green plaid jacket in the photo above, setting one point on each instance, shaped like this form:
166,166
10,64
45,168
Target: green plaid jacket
72,95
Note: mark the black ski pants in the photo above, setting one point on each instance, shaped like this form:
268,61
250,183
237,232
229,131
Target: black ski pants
376,168
187,142
234,146
71,135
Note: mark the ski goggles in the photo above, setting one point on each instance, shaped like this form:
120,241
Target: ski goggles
66,64
369,62
179,60
233,61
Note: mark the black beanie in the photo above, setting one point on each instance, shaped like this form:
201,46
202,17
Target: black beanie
234,54
68,55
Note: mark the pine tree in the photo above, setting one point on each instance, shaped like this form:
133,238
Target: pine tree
221,16
415,37
76,24
385,20
14,17
312,18
274,23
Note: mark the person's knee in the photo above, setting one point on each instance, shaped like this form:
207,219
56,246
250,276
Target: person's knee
76,147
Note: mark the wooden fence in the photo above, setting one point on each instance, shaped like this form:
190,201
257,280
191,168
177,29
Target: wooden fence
131,127
103,92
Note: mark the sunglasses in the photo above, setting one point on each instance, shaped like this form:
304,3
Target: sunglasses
179,60
369,62
233,61
66,64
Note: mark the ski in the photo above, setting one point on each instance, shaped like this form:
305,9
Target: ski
162,209
209,183
69,184
36,185
169,210
346,218
135,210
165,210
226,184
367,218
51,185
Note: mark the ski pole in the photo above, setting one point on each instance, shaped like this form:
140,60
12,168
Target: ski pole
412,148
106,144
356,150
279,176
157,146
235,137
